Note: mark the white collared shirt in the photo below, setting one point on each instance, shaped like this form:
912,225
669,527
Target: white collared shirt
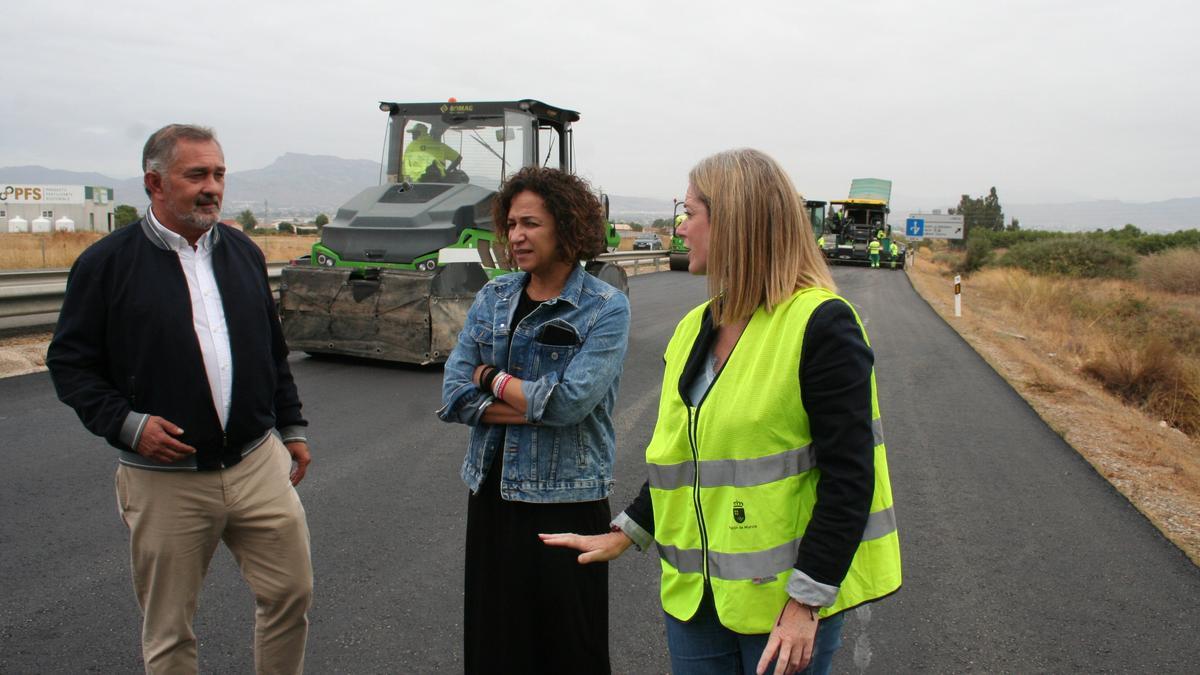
208,314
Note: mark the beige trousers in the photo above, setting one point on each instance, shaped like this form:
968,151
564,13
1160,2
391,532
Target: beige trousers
175,521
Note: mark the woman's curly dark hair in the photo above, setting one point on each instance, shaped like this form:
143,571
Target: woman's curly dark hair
578,214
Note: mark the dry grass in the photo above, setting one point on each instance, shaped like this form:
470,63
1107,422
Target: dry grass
280,248
1154,376
1175,271
54,250
1113,366
1138,343
58,250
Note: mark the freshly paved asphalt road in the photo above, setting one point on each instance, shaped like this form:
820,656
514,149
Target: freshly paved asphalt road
1018,557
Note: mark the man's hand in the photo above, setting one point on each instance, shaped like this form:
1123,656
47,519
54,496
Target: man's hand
791,641
595,547
301,457
158,441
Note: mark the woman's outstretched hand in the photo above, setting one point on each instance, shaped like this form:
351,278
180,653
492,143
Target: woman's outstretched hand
595,547
792,640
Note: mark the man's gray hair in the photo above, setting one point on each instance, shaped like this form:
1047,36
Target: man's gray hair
159,151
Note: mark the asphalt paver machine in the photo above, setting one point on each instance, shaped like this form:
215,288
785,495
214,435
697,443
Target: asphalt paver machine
397,268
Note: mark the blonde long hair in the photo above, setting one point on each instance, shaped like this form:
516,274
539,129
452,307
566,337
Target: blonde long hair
761,245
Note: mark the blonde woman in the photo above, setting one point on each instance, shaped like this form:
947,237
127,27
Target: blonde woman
768,499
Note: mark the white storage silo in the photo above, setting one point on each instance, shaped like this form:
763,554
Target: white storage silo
64,224
18,224
40,224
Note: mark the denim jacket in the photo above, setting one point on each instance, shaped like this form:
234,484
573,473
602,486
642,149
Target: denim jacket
570,375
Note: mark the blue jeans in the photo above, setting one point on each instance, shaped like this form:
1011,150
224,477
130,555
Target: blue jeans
703,646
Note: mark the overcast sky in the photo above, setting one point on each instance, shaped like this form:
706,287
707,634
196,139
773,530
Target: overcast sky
1047,100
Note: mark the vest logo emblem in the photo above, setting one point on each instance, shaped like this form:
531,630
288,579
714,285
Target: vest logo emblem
739,511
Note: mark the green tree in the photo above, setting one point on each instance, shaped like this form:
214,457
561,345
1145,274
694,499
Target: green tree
124,215
321,221
287,227
993,213
247,220
982,212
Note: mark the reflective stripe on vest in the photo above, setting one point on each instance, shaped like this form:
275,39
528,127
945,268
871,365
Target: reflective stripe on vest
742,472
761,564
733,493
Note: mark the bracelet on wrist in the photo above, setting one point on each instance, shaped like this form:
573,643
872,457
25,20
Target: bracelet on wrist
485,380
500,383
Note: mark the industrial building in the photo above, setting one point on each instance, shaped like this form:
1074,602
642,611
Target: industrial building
49,208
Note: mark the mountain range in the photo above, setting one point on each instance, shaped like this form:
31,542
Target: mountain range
300,185
294,184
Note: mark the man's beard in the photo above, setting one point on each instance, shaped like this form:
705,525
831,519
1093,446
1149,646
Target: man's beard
198,220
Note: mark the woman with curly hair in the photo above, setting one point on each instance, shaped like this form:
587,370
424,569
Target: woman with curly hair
535,376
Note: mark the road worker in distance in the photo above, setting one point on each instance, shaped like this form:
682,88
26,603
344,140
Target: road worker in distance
425,157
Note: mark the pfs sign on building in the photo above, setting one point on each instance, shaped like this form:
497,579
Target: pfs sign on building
43,194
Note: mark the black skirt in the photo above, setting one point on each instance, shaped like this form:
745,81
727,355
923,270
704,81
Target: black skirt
528,607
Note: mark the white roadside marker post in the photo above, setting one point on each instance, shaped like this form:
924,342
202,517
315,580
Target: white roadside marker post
957,295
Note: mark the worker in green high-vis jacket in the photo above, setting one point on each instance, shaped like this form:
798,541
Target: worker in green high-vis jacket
426,158
873,249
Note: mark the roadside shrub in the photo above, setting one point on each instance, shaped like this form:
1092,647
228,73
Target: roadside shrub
1155,377
1089,258
1148,244
1008,239
1175,271
1178,401
1030,294
979,253
947,259
1130,237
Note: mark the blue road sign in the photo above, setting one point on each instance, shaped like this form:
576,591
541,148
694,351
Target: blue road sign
915,227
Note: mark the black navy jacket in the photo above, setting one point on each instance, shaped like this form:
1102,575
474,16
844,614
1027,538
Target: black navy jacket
126,345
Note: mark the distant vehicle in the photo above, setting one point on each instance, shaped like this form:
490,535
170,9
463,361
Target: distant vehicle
857,220
679,251
647,242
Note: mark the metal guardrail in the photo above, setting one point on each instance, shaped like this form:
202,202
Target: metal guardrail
636,259
28,293
32,293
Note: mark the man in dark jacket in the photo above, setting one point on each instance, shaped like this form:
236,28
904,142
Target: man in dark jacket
169,346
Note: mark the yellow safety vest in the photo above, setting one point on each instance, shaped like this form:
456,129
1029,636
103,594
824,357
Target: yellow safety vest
734,480
874,246
423,151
